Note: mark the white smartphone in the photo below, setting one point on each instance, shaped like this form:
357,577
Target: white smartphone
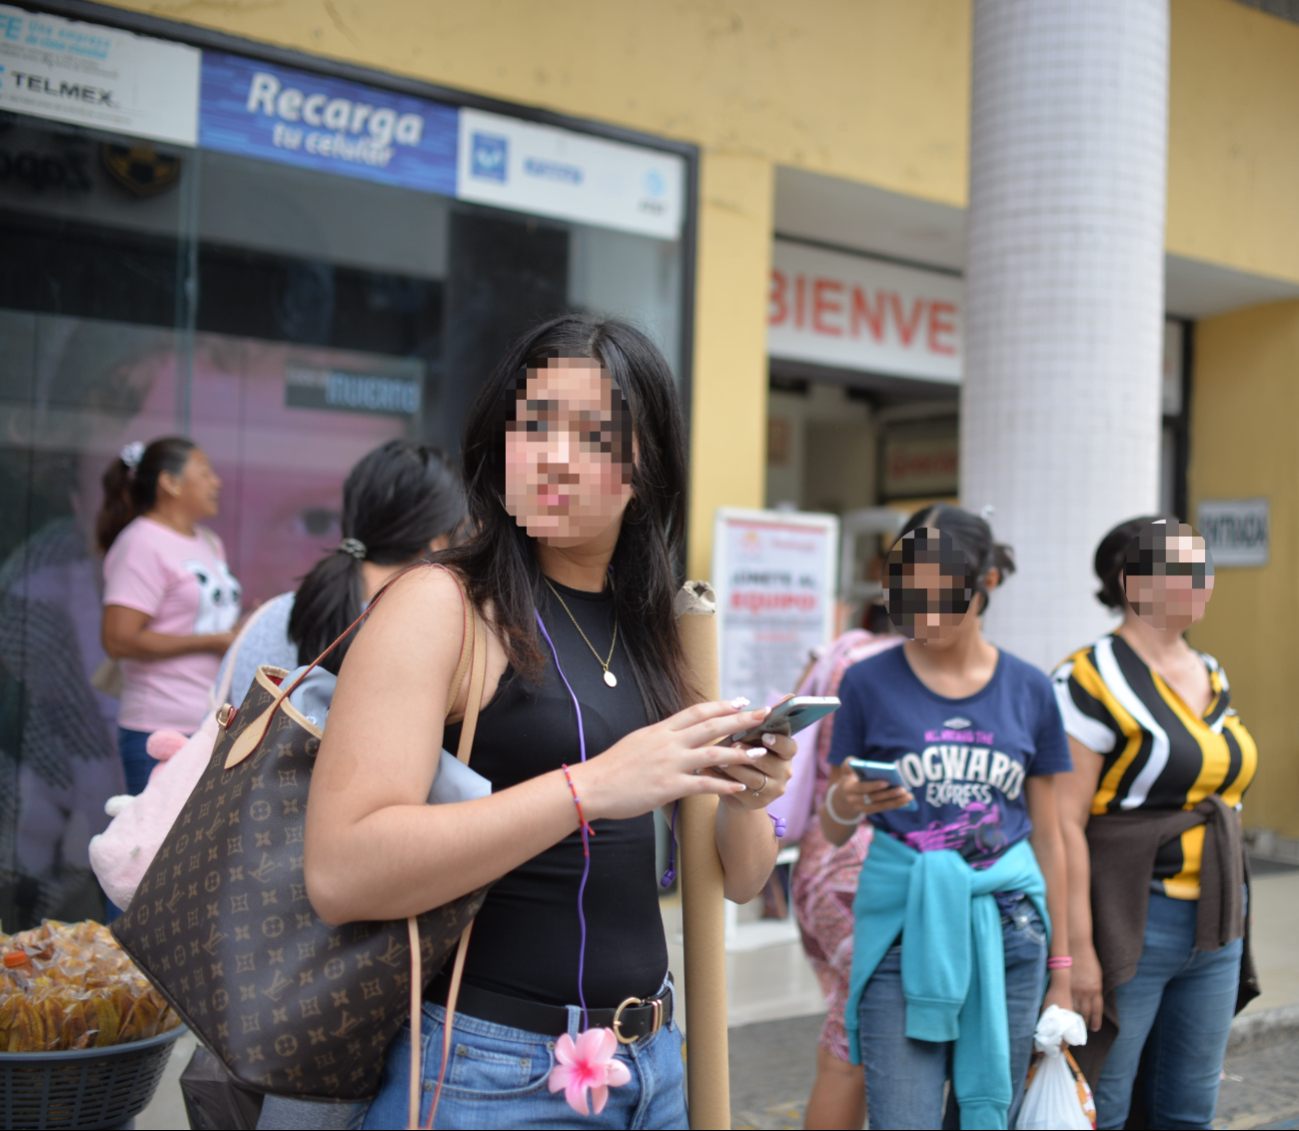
790,716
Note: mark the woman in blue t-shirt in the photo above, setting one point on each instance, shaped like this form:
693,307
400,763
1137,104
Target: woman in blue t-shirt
952,924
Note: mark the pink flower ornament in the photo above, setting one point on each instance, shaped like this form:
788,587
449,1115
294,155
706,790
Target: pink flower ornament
587,1064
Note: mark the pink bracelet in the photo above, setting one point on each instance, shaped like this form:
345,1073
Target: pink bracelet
1062,962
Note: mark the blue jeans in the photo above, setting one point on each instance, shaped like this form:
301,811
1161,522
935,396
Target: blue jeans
1178,1009
135,759
905,1077
497,1078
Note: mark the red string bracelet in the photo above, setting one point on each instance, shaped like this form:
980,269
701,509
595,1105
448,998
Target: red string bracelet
1060,962
586,827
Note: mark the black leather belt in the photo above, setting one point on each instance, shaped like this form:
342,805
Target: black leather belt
633,1019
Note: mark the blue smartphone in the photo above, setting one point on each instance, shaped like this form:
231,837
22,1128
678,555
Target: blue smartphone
881,771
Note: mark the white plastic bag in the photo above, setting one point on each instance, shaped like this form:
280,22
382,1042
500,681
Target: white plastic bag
1057,1097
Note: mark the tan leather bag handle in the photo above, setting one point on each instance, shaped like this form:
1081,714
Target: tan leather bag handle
475,646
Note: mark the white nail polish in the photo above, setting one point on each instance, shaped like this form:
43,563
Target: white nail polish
739,702
769,739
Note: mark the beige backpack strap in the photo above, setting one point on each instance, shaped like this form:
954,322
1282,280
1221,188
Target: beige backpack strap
473,654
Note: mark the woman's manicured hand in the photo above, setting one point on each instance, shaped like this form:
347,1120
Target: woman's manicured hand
659,764
763,770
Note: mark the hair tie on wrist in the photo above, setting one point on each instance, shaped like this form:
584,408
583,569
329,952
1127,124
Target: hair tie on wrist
353,546
132,453
1060,962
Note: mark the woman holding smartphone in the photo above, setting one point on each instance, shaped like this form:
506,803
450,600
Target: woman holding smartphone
950,953
576,482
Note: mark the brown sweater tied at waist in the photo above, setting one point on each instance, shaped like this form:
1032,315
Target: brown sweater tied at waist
1123,847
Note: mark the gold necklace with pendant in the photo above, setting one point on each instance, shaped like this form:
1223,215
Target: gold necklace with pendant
610,679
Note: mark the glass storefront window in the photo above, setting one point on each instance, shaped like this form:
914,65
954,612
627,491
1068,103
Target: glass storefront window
286,318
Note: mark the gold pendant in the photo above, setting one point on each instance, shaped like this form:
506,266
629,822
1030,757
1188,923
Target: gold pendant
610,678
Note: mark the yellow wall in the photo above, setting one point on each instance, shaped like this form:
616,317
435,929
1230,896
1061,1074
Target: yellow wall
728,423
873,91
1233,154
1244,417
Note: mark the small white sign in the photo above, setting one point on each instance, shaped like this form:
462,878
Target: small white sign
553,172
852,312
97,76
1236,531
774,575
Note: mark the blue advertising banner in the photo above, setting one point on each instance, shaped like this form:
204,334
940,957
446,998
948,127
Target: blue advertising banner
256,109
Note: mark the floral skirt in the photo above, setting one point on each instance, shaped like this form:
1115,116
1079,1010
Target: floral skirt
823,889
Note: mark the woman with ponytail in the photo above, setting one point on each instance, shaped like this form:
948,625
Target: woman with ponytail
957,898
170,601
401,502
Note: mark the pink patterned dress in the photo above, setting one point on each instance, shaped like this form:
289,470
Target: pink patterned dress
825,878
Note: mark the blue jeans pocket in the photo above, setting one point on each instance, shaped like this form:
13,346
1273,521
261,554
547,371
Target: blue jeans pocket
1025,922
500,1072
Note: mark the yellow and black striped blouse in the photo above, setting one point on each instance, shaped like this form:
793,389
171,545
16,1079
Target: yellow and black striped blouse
1158,754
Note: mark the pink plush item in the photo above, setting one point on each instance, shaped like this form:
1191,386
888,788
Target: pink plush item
163,744
122,852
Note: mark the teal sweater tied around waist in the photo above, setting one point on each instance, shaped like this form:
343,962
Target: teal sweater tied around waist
953,962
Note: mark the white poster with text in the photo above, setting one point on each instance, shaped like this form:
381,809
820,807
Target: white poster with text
774,574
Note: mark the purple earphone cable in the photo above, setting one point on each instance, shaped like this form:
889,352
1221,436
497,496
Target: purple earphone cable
668,876
586,845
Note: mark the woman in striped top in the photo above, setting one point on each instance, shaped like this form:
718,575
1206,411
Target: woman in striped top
1160,761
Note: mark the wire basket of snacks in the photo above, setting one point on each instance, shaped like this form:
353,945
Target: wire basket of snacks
84,1037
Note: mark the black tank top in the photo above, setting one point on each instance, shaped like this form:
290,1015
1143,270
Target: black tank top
526,937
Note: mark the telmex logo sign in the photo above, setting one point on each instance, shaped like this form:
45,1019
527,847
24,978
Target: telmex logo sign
852,312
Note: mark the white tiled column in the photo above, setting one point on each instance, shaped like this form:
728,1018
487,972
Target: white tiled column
1060,401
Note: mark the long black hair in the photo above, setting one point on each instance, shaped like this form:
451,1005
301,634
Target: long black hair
973,535
132,491
499,563
396,500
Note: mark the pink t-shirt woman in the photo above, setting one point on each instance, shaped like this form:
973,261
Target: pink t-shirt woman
171,605
183,585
